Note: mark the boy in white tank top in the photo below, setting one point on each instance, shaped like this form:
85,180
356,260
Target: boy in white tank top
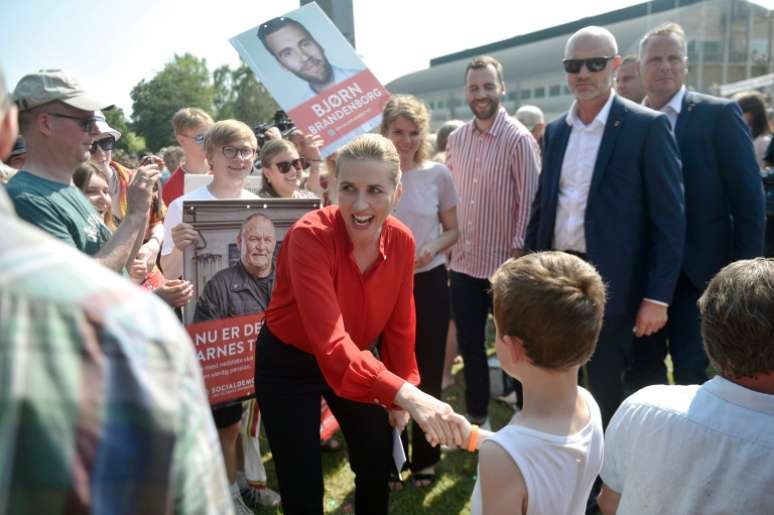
548,310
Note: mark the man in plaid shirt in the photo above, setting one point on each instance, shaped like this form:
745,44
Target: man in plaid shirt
102,402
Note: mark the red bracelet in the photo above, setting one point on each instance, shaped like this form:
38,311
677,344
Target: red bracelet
473,438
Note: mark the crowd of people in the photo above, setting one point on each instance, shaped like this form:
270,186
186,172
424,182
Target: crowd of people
629,229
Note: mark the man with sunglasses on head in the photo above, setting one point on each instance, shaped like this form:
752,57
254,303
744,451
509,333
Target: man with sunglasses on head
611,193
190,124
58,122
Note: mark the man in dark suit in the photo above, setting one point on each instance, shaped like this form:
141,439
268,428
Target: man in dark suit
724,203
611,192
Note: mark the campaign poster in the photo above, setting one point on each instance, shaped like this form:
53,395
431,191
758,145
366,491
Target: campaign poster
226,352
232,268
315,75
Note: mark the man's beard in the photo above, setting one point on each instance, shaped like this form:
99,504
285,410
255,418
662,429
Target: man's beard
489,113
326,78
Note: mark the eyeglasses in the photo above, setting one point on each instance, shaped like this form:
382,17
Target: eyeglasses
106,144
284,166
593,64
199,138
86,123
243,152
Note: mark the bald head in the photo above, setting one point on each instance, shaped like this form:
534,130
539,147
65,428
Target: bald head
591,36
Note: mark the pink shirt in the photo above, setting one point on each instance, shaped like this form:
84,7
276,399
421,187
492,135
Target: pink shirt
496,175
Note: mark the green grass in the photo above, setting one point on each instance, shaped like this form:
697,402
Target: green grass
456,472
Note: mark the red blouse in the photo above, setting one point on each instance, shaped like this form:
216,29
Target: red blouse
325,306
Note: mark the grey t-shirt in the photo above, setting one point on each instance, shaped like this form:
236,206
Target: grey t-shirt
427,192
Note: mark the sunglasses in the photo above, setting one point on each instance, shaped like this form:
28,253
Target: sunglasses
284,166
106,144
593,64
199,138
87,124
244,152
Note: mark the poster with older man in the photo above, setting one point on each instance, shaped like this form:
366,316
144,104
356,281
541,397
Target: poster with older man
315,75
232,269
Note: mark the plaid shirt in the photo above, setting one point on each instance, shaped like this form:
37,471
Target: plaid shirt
496,174
102,403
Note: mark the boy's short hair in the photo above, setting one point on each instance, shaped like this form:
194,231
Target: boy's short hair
554,302
737,319
190,118
225,132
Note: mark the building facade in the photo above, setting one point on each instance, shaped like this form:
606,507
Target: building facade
728,41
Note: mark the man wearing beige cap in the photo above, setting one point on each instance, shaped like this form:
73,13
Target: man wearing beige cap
57,120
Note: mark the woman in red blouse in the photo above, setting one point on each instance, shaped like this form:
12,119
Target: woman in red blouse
341,324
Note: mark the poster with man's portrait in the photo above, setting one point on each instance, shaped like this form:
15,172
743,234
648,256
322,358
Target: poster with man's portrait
232,268
315,75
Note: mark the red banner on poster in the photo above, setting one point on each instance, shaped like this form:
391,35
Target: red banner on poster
342,108
226,351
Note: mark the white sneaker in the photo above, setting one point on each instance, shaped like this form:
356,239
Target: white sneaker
240,508
256,497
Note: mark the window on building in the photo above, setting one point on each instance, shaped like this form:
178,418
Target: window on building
439,104
526,94
512,95
554,91
566,90
540,92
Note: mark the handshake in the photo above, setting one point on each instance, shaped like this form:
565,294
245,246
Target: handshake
442,426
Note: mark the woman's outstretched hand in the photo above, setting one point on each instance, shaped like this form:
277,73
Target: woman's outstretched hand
435,417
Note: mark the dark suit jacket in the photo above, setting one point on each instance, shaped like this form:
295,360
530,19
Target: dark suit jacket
724,200
634,221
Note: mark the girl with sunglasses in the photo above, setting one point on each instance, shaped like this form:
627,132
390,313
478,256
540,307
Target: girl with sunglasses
428,207
282,171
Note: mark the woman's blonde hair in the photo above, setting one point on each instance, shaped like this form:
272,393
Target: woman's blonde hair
371,147
413,110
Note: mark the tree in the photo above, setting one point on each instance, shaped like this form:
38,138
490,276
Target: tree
240,96
184,82
129,142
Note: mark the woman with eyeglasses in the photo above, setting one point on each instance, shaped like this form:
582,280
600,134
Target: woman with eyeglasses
282,171
341,324
428,207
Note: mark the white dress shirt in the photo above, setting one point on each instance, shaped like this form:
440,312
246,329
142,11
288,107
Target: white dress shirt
671,108
575,180
686,450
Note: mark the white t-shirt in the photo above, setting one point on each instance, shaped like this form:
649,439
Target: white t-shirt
174,214
683,450
558,471
427,192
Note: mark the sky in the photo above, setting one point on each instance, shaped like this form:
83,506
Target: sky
111,45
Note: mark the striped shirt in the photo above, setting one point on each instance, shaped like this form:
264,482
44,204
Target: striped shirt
496,175
102,402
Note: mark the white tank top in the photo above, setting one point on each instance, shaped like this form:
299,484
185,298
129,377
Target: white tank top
558,471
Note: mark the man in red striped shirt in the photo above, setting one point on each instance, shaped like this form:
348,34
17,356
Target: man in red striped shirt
495,164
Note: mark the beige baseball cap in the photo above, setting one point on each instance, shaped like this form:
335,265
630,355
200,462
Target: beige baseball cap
46,86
